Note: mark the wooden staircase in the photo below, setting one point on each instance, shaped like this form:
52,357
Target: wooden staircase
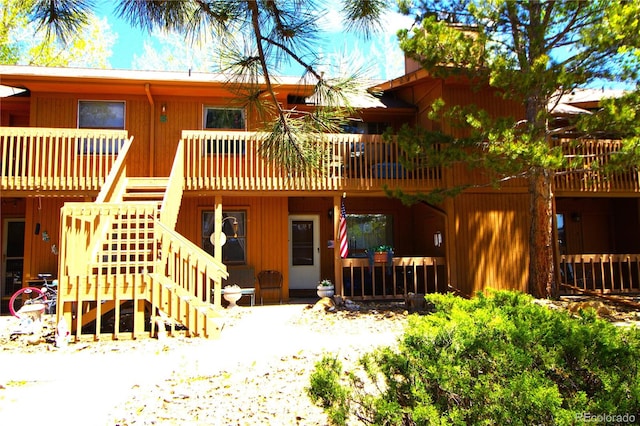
123,250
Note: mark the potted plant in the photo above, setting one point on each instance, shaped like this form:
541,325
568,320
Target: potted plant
325,288
382,253
232,293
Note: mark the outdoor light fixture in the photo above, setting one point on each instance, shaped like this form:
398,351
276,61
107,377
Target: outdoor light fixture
223,236
437,239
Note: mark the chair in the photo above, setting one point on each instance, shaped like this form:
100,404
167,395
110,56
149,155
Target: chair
270,280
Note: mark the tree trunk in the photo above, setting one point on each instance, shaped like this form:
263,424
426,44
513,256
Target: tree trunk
541,261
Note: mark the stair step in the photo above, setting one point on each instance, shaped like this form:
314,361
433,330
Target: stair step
147,182
151,196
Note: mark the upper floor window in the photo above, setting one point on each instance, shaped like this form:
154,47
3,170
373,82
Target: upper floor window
224,118
101,114
368,128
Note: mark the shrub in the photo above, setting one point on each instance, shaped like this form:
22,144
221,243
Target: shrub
496,359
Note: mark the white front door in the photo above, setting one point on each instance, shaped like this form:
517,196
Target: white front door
304,251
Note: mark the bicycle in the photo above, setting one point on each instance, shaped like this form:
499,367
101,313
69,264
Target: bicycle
47,295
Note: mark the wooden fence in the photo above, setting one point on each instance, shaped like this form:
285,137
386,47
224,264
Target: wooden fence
364,279
605,273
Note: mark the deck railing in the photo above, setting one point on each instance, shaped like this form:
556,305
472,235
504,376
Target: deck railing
58,159
604,273
55,159
582,176
170,207
233,161
364,279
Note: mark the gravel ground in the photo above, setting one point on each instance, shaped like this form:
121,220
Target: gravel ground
255,374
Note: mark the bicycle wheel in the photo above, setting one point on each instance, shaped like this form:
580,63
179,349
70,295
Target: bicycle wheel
25,296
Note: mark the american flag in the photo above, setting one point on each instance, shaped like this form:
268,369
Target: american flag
344,245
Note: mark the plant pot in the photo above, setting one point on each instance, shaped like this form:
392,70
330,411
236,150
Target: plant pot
232,296
325,291
380,257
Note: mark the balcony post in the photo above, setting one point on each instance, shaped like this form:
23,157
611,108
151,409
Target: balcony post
217,228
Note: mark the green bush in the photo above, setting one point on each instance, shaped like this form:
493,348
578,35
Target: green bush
496,359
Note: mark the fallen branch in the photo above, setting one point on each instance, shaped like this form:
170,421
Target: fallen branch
614,299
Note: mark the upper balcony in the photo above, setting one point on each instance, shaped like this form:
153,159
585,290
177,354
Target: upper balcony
233,161
39,160
77,162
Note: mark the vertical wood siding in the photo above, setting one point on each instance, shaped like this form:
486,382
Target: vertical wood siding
54,110
491,241
38,256
267,228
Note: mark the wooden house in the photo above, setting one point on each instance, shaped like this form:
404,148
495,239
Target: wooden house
119,182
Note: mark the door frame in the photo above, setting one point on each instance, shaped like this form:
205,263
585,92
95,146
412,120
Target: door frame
310,275
5,258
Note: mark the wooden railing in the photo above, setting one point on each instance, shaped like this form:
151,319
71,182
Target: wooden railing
59,159
232,161
363,279
584,177
173,195
190,267
55,159
605,273
106,252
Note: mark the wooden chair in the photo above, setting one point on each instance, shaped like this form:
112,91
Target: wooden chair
270,280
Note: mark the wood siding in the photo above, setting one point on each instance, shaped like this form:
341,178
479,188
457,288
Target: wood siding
491,234
38,256
267,233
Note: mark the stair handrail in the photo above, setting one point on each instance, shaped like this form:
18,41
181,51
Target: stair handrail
175,187
207,269
77,234
116,180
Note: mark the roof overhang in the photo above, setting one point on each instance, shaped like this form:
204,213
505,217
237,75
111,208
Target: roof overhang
84,80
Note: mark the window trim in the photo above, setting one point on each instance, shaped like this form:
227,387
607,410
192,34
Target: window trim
360,251
107,101
205,108
230,211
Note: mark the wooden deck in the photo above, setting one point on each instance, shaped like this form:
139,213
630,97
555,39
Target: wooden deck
57,161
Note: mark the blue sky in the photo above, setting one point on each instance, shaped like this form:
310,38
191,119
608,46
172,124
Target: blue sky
381,49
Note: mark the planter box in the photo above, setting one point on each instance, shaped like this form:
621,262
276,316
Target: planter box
380,257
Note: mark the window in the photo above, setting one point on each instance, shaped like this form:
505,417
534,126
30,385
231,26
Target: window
235,249
224,118
368,128
101,115
368,230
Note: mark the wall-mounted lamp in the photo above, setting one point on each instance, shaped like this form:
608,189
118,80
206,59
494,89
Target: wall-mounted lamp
437,239
163,108
223,236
